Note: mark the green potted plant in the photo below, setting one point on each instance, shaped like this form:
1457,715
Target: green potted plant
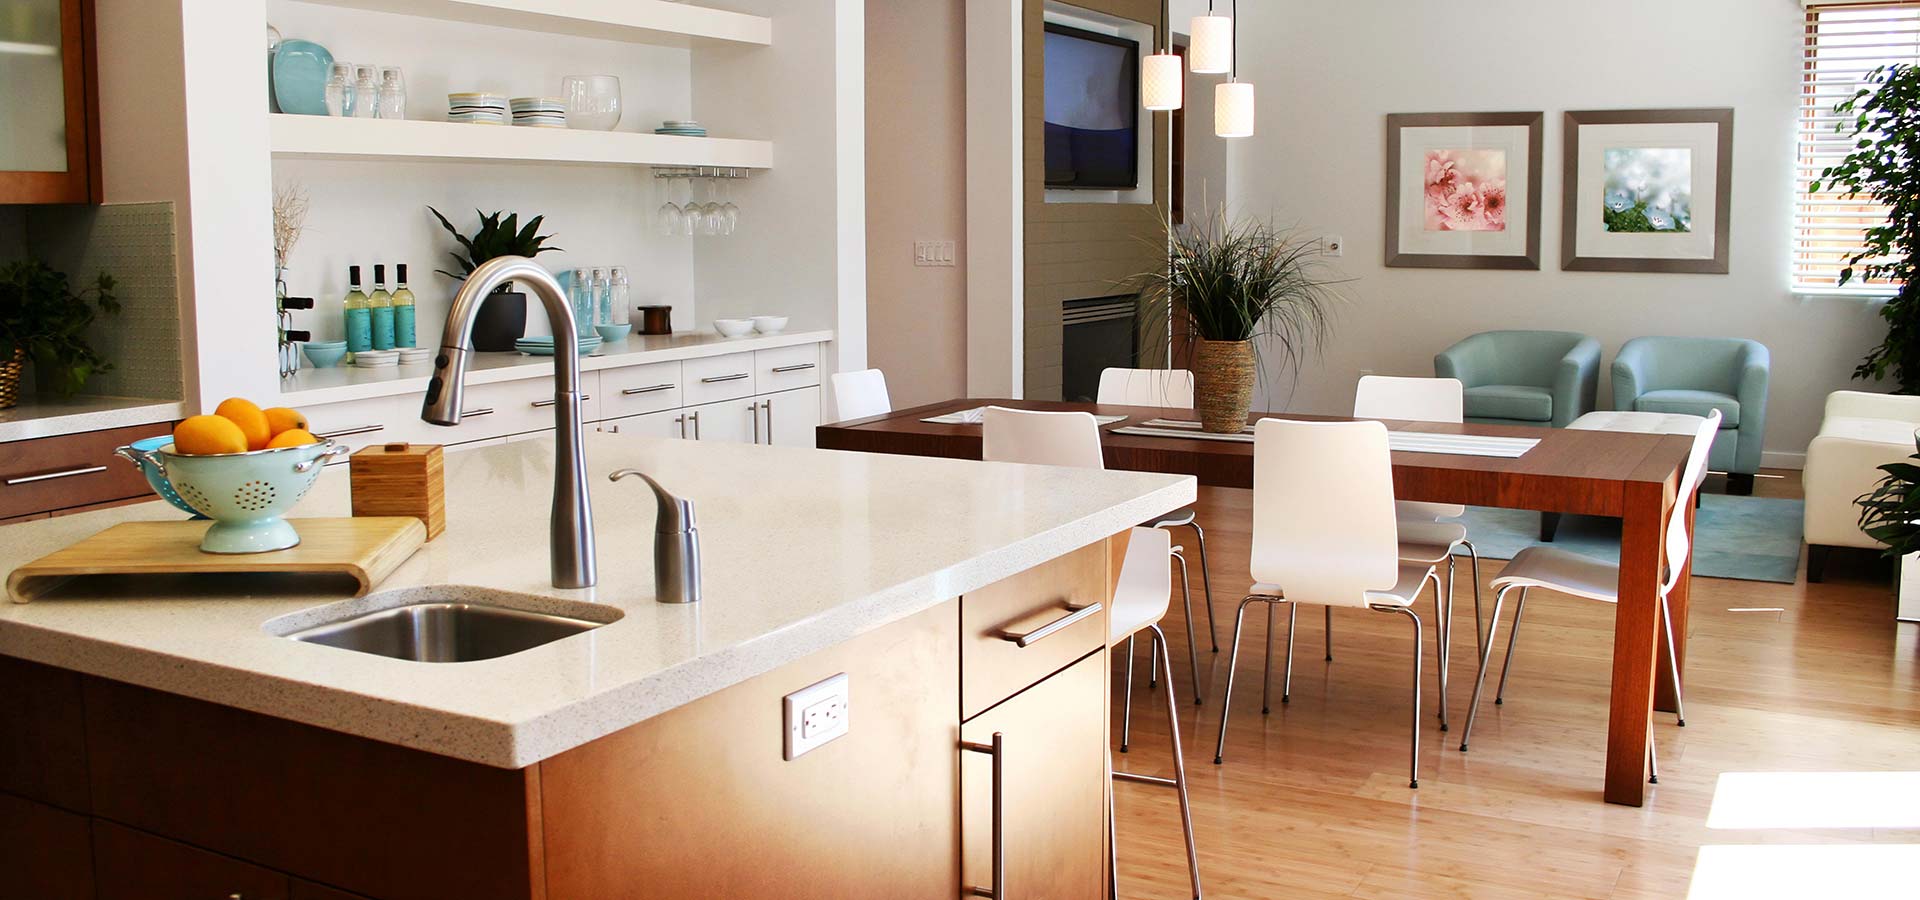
503,315
1890,514
43,320
1883,122
1234,290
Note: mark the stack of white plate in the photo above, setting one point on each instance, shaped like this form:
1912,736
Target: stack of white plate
478,108
414,356
375,359
540,112
542,345
685,127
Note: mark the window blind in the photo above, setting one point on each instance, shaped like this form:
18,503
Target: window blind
1844,42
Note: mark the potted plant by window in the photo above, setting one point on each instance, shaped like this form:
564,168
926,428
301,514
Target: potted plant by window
44,321
1890,514
1235,291
503,315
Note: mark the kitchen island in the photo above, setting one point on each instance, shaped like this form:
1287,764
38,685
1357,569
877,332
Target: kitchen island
163,737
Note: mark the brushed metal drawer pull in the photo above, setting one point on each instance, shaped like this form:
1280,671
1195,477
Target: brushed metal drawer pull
543,404
475,413
649,389
49,476
753,410
796,367
1074,614
716,379
997,889
694,417
347,432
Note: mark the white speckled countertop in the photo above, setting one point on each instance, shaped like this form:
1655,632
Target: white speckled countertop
803,549
38,417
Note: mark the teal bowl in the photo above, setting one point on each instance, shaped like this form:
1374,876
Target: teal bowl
614,332
246,494
140,453
324,357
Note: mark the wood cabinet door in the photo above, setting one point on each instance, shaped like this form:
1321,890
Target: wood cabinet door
50,148
45,853
1053,766
134,865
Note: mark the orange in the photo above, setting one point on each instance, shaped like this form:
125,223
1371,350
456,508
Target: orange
281,419
292,437
198,435
252,422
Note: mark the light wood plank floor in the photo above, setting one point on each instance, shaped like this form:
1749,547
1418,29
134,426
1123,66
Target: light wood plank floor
1312,800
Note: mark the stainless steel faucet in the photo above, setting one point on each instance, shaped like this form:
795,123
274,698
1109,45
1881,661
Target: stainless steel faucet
676,544
571,544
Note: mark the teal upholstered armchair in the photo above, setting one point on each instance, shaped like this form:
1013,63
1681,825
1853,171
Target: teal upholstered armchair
1694,375
1543,378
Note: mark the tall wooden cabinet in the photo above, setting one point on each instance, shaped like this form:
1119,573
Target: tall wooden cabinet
50,145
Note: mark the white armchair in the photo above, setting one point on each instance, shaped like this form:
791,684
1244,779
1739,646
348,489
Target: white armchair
1859,433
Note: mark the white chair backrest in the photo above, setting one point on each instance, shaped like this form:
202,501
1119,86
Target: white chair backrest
1412,399
1690,480
1323,520
1169,388
1041,438
858,395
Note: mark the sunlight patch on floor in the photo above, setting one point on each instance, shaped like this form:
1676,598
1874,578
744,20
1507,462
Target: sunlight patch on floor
1758,871
1799,800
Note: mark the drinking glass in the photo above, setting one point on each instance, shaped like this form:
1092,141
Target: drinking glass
366,93
393,94
670,217
712,220
593,101
580,297
339,90
730,214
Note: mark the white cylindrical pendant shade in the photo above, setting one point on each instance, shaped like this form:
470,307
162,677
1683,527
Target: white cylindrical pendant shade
1161,81
1211,49
1233,109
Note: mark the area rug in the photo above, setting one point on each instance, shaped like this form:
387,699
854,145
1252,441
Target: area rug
1744,538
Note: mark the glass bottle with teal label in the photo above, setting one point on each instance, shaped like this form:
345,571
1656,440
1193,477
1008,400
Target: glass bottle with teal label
381,306
359,315
403,335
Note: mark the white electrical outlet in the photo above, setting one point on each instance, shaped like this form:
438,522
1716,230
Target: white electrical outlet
1333,245
814,715
933,253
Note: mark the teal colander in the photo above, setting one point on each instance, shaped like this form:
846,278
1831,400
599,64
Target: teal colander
245,494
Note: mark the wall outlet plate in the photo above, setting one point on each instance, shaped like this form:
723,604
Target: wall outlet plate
1333,245
814,715
933,253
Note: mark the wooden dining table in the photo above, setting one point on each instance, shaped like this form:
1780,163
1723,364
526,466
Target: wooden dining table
1630,476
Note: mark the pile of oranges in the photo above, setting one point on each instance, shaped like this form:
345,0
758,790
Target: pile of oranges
237,425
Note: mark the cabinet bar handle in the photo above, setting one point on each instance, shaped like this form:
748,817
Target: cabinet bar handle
542,404
753,410
682,422
998,750
1074,614
715,379
64,473
476,413
768,406
345,432
696,424
796,367
649,389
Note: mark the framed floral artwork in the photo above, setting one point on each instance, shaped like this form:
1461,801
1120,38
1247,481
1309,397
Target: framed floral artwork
1647,190
1463,190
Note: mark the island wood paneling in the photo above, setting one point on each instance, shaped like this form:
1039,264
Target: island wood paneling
45,853
43,744
993,668
133,865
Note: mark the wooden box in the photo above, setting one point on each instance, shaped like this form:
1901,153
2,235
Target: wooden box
401,480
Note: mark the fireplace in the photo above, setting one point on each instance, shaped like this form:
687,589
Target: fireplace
1099,334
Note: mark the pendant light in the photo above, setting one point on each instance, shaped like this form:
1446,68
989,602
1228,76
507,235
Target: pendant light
1233,98
1161,80
1210,51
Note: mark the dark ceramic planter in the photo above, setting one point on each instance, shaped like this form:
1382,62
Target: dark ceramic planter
502,320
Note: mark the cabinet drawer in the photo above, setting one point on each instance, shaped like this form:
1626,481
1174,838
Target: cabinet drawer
52,473
637,390
45,853
993,665
667,423
134,865
358,423
728,377
786,368
43,740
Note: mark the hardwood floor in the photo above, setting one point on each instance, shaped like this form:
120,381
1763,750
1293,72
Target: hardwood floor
1312,800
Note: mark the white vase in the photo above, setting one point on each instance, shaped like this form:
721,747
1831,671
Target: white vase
1908,609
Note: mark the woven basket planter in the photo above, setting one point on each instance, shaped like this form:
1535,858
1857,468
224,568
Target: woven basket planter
10,379
1223,373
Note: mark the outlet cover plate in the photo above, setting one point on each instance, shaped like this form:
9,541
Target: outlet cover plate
815,715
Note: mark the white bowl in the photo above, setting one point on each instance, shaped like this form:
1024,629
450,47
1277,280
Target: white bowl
732,327
769,324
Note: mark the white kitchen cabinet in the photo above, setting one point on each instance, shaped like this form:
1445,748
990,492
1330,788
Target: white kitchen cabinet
671,423
714,378
729,421
788,418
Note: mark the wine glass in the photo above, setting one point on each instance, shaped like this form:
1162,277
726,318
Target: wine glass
670,216
730,213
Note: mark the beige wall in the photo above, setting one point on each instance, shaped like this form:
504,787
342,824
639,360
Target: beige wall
916,190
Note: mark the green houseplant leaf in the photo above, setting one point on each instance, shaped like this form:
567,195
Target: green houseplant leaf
46,319
1883,121
493,239
1890,513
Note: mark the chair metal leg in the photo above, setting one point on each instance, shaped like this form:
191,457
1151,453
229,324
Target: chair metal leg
1513,637
1179,767
1206,582
1413,767
1442,610
1653,760
1480,682
1113,835
1186,604
1153,672
1329,632
1679,703
1126,701
1266,669
1286,678
1233,659
1473,555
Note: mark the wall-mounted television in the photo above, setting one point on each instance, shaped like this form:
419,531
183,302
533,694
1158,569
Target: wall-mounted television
1092,111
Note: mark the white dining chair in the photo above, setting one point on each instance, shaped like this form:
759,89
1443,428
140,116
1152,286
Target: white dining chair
857,395
1141,593
1428,531
1167,389
1324,532
1554,569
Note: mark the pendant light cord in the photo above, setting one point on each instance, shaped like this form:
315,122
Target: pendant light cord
1233,56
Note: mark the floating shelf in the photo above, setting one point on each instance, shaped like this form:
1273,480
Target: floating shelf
325,137
634,21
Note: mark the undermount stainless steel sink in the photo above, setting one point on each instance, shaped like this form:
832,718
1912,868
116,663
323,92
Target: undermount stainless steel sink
445,632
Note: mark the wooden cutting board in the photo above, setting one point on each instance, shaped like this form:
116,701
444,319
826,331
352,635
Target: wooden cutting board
365,549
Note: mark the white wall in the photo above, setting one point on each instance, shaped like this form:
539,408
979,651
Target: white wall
1327,74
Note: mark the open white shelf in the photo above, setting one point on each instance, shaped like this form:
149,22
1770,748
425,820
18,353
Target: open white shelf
325,137
635,21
